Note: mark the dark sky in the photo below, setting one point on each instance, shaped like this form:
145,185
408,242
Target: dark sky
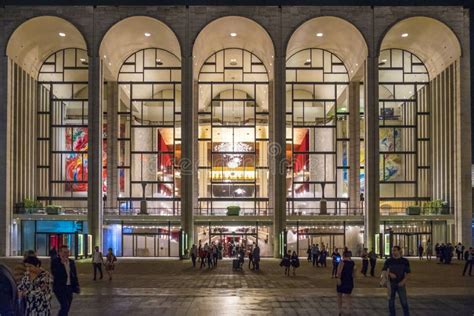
465,3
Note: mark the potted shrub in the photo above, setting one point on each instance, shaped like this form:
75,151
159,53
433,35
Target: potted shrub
413,210
53,209
233,210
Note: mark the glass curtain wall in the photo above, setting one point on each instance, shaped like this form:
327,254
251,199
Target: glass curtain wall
149,132
404,131
317,142
233,117
62,131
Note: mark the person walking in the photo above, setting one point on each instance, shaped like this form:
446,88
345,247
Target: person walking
437,251
469,258
429,250
323,256
35,288
397,268
65,280
110,260
214,254
420,251
194,254
365,261
308,253
373,261
286,262
97,261
345,283
256,257
315,254
203,256
294,261
8,293
336,259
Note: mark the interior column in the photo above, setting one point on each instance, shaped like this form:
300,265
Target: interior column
112,144
354,146
5,215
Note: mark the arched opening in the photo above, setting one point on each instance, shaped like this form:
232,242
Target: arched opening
143,125
48,101
233,62
324,133
418,102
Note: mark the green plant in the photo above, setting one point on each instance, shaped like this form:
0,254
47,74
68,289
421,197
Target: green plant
413,210
53,209
233,210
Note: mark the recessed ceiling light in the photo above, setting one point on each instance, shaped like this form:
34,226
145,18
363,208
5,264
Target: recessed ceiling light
384,60
147,34
62,34
110,64
319,34
83,59
105,56
233,34
404,34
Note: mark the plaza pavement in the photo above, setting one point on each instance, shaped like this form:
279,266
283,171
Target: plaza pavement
172,287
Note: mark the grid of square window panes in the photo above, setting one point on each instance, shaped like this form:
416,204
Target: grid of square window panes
149,132
317,143
62,132
233,111
404,130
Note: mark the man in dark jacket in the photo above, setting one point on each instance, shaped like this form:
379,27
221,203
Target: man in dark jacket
65,280
256,257
8,298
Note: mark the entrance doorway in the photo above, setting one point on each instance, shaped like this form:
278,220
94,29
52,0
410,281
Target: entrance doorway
409,242
149,245
47,241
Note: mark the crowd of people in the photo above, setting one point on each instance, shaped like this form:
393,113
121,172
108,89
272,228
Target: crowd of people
29,289
209,254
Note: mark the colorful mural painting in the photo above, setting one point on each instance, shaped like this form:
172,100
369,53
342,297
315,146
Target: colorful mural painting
390,165
76,164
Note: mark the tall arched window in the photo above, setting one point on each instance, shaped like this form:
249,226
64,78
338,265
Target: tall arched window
317,147
62,128
233,114
404,129
149,131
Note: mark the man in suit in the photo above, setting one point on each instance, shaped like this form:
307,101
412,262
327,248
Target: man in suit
65,279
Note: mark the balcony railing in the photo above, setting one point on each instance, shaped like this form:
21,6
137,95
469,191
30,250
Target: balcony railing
137,211
233,212
417,210
51,210
346,211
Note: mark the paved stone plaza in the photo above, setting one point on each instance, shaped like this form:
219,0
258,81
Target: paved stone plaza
172,287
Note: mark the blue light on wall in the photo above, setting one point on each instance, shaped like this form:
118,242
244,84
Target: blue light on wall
113,238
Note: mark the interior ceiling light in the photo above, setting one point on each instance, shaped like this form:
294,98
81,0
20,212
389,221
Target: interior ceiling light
319,34
62,34
147,34
404,34
233,34
83,59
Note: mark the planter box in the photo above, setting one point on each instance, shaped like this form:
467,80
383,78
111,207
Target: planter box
233,210
413,210
53,210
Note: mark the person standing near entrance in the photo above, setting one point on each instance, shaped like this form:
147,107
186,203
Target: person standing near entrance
97,261
397,268
256,257
308,252
315,254
373,261
295,262
420,251
194,254
110,260
469,258
429,250
365,261
65,280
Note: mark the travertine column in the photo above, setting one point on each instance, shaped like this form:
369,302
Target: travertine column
94,192
277,151
113,126
188,165
372,215
354,145
5,207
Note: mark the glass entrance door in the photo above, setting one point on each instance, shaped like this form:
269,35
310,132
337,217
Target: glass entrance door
46,241
330,242
409,242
